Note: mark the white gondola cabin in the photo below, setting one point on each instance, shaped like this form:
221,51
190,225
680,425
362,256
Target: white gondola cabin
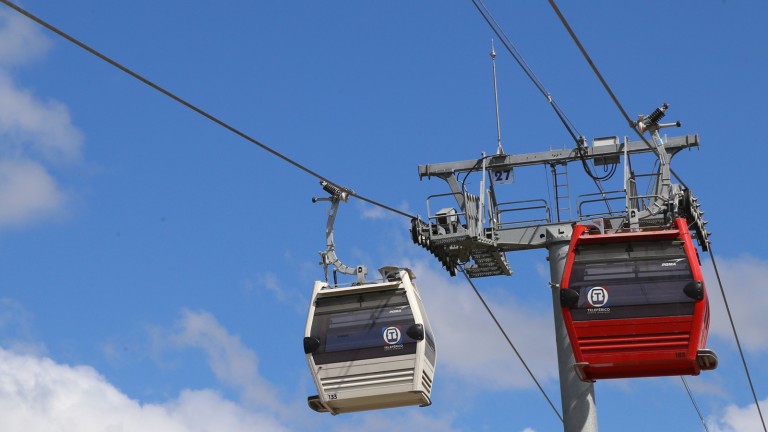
369,346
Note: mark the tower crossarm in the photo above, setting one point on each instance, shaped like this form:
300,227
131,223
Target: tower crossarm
505,161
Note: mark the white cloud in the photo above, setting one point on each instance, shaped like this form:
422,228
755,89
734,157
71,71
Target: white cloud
17,329
232,363
207,411
739,419
743,280
373,212
471,346
270,282
236,366
20,40
37,394
27,192
32,127
32,131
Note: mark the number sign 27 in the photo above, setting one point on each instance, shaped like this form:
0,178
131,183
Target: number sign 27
502,176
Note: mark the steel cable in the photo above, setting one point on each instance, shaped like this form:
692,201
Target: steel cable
632,124
569,126
496,28
736,336
695,405
509,341
193,107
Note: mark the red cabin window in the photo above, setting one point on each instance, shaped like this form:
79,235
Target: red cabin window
631,280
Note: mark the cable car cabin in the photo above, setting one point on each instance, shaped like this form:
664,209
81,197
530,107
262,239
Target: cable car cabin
635,304
369,346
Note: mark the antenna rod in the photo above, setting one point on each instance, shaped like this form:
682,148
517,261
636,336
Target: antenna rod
499,150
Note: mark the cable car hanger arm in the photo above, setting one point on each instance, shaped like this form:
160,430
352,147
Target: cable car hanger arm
329,255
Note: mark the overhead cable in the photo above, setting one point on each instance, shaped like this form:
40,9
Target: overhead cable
736,336
591,63
695,405
569,126
632,124
193,107
496,28
509,341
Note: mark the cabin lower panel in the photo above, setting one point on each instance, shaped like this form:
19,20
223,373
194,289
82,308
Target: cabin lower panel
636,348
375,384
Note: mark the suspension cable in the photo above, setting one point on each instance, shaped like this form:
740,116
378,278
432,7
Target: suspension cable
632,124
569,126
591,63
191,106
736,336
509,341
496,28
695,405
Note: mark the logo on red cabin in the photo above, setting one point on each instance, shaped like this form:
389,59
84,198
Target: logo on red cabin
597,296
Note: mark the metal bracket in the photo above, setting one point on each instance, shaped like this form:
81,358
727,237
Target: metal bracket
328,256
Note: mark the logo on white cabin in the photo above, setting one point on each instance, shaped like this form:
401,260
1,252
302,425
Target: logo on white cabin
392,335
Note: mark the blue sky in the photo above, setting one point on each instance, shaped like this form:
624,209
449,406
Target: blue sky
157,268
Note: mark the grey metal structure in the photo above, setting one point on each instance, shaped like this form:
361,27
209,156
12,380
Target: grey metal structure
477,234
461,237
328,256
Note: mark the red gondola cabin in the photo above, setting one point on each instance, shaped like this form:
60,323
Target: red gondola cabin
635,304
